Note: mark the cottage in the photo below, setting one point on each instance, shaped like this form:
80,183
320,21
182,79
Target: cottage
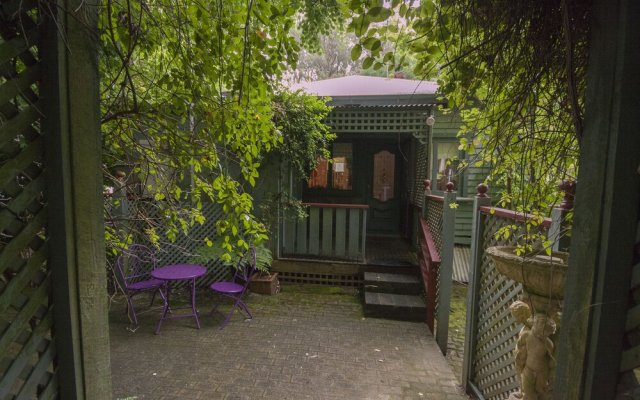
363,204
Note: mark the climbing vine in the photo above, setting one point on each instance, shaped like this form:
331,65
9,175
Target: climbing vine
515,69
187,96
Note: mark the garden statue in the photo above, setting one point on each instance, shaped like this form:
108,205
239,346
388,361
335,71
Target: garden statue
522,314
535,363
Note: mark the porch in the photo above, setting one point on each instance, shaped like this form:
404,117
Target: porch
306,342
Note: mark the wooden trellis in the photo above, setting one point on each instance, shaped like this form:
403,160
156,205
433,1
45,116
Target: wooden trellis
491,332
27,348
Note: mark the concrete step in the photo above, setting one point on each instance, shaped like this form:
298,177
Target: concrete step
392,283
394,306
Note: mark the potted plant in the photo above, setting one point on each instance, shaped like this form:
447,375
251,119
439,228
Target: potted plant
263,280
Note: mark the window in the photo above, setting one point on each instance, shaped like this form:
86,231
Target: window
318,178
340,176
446,163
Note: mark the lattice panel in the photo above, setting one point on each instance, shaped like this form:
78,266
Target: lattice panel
434,220
629,384
417,189
27,350
185,248
496,335
370,120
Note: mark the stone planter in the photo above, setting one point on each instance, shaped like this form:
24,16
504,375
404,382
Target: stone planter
263,283
543,279
540,275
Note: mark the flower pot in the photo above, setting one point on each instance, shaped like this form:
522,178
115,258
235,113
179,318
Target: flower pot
262,283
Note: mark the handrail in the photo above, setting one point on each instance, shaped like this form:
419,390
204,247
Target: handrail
431,245
433,197
514,215
331,205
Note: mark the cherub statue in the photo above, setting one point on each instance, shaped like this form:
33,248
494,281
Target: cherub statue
522,314
535,349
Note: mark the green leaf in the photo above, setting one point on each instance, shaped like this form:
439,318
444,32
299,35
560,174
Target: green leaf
372,44
379,14
356,51
367,63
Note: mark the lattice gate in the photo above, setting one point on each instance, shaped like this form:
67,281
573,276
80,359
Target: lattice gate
491,331
27,350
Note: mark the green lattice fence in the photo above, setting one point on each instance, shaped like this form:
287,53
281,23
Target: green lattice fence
185,249
494,332
27,350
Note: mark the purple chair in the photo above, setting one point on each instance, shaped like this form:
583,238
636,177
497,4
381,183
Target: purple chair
133,269
236,288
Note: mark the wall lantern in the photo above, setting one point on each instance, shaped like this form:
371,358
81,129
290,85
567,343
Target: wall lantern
423,135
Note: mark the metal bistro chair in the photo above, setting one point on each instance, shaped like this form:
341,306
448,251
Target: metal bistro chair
133,268
236,288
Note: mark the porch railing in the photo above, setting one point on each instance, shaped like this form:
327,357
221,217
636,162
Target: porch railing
329,231
435,255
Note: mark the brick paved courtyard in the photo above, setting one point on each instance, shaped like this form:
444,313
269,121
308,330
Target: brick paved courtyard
304,343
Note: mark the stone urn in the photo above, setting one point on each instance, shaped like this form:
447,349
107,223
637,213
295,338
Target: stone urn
540,275
538,310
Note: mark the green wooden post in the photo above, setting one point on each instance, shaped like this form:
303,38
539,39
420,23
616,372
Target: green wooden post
597,289
74,190
473,291
446,267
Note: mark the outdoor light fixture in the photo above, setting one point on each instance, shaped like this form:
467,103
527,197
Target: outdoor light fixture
423,136
430,119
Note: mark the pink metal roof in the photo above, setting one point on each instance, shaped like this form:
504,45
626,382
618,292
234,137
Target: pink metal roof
357,85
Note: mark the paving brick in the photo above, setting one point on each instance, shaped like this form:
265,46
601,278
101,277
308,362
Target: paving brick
300,345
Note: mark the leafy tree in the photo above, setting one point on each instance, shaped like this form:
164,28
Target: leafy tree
187,106
515,68
331,60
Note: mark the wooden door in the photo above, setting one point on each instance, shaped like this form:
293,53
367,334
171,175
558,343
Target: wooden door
383,190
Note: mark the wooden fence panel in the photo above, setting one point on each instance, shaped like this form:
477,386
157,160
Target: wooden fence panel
27,338
491,332
321,236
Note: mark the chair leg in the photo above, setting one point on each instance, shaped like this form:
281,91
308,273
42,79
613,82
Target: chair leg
244,307
131,310
153,298
237,304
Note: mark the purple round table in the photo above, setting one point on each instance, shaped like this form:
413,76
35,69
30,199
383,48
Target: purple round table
179,272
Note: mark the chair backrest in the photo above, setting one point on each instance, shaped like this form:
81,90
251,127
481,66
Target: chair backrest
135,263
245,267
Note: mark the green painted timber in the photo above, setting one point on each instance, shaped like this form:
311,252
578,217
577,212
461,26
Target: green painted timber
301,236
289,234
21,84
464,219
327,231
354,232
592,333
314,230
23,359
341,232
